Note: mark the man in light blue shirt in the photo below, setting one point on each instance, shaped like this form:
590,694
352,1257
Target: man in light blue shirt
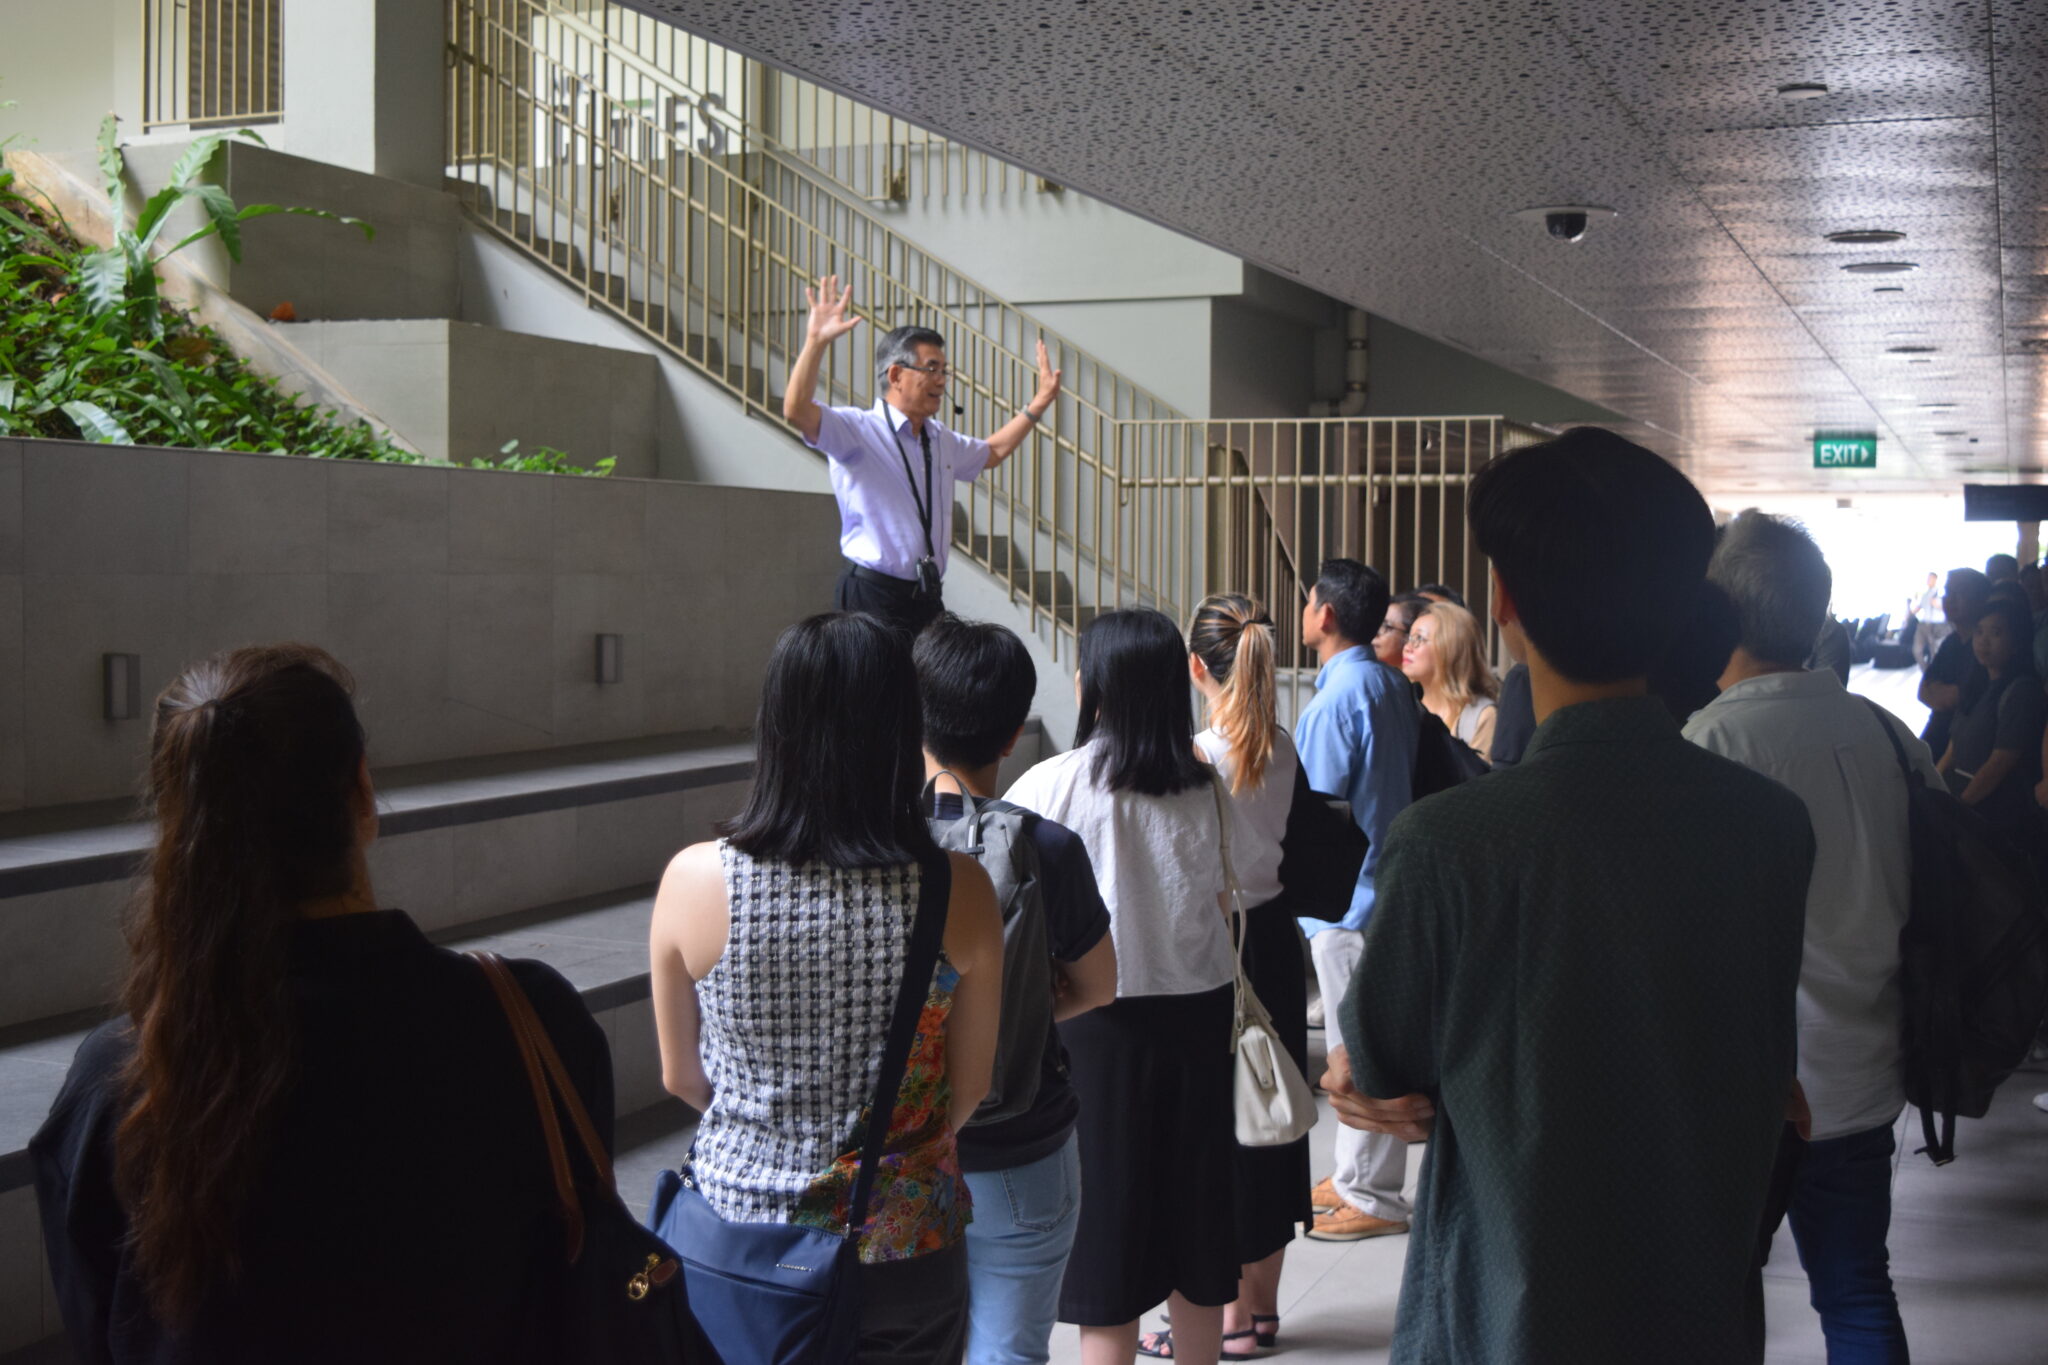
893,466
1357,739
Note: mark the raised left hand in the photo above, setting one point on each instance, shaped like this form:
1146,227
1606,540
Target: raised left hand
1048,382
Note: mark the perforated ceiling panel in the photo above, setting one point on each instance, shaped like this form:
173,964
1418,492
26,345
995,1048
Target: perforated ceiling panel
1377,151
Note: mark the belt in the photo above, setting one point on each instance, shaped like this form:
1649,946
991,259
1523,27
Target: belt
906,586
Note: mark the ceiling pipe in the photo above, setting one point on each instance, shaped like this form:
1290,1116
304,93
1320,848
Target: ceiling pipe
1357,366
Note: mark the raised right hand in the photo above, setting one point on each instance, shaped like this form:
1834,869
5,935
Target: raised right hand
830,319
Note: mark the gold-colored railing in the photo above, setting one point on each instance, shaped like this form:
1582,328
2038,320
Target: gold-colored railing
1255,506
734,105
689,246
207,63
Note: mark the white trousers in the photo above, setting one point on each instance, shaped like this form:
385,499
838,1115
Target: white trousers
1371,1167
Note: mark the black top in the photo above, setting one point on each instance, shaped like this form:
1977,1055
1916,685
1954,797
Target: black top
406,1213
2009,714
1954,662
1075,921
1514,717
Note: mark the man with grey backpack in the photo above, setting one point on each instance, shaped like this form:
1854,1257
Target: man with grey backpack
1018,1152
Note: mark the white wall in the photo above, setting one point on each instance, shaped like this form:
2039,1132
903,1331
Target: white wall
66,64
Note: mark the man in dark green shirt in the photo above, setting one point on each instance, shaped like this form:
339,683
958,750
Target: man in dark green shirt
1580,973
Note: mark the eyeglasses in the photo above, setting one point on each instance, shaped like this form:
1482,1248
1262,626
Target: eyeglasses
938,370
1389,628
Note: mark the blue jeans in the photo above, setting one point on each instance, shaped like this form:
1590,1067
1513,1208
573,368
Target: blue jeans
1841,1210
1017,1247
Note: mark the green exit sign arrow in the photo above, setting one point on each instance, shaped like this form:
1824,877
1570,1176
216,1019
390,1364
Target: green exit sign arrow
1845,450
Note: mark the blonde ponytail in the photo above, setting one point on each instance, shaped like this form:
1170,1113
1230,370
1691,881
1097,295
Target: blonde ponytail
1233,637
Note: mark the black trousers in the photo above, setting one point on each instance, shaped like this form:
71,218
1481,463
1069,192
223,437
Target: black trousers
914,1312
892,599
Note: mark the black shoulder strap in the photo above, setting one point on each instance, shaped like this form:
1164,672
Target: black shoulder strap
920,958
1884,723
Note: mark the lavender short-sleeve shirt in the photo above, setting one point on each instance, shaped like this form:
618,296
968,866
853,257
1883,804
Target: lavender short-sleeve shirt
878,521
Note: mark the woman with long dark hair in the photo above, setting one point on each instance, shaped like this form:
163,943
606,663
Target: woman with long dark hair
1231,660
777,953
1153,1069
310,1137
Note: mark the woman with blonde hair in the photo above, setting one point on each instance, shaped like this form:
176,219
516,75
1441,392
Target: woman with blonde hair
1446,659
1231,660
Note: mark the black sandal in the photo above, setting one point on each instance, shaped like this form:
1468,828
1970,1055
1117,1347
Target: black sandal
1267,1337
1160,1345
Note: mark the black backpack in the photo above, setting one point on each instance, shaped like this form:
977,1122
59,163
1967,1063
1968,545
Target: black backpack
1973,958
997,835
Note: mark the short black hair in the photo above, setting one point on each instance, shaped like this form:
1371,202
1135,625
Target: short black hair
1688,676
2001,568
1134,698
1356,593
1438,590
1600,543
839,760
976,680
2019,625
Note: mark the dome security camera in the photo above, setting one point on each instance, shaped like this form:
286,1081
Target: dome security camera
1567,225
1565,222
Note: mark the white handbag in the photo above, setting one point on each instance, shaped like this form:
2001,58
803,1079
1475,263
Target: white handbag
1274,1105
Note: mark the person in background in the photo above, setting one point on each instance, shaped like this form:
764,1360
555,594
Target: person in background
1928,627
1954,676
280,1029
1153,1070
1446,659
1437,592
777,955
1231,660
893,465
1392,636
1800,728
1357,739
1831,649
976,682
1579,976
2002,568
1993,760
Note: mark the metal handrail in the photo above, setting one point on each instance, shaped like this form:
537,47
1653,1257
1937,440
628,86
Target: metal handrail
211,63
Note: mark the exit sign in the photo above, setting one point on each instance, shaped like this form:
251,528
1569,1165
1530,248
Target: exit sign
1844,450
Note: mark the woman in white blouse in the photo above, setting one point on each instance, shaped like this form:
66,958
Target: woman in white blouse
1445,658
1153,1069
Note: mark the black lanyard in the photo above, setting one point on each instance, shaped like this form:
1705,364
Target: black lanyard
924,504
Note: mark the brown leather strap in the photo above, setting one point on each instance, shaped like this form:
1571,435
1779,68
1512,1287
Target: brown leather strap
565,1088
519,1013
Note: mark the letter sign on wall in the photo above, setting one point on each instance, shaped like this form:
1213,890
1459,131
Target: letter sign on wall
1844,450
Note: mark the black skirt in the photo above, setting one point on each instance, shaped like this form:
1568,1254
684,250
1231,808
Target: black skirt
1272,1188
1157,1157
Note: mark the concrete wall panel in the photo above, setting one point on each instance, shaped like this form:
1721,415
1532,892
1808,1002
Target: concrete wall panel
10,507
466,602
61,951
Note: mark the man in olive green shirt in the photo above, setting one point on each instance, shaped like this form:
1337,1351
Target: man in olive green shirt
1580,974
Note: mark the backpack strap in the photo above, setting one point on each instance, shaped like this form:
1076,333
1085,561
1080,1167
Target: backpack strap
920,958
1941,1148
969,803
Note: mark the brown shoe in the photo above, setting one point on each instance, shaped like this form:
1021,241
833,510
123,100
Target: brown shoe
1324,1197
1353,1225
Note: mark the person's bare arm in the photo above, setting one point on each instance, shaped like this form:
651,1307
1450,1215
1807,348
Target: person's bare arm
1948,757
829,321
689,928
1010,436
1409,1118
1087,984
1990,773
974,945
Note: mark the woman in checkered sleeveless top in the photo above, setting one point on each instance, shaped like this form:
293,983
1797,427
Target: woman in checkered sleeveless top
777,953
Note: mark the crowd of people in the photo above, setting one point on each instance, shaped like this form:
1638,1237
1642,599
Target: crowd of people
1636,985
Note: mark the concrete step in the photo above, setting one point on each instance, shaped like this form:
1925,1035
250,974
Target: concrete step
461,842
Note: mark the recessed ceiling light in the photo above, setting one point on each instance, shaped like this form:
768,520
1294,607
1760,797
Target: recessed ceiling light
1889,289
1803,90
1909,350
1921,361
1866,236
1939,407
1880,267
1951,433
